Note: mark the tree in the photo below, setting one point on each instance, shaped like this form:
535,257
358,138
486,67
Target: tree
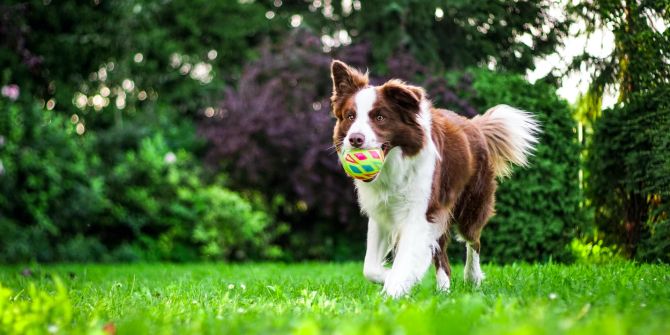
624,188
445,34
630,175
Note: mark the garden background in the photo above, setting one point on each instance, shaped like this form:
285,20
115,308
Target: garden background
166,166
201,130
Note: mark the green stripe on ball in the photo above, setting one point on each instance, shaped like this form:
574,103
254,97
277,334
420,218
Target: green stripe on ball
362,164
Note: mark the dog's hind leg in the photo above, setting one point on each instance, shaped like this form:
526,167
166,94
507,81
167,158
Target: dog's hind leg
473,212
473,272
442,268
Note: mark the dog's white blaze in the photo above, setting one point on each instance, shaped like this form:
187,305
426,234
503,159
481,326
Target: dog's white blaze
473,272
443,282
364,100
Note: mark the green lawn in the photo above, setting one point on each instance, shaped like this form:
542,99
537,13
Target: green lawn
333,298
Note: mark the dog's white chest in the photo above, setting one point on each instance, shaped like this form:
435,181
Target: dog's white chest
403,186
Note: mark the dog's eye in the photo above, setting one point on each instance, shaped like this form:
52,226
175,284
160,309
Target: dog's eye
351,116
380,117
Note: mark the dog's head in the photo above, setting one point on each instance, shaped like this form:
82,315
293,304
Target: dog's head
385,116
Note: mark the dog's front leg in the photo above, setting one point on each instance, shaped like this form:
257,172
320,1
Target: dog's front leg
377,247
413,256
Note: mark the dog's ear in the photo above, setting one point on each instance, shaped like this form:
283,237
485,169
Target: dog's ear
403,96
346,80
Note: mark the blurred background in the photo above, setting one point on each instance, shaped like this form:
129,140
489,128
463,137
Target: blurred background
187,130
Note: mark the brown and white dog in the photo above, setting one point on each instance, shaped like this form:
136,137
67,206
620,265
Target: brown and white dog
440,169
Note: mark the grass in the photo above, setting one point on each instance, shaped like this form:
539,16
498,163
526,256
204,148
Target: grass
317,298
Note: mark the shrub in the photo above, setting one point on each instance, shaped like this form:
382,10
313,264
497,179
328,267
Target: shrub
229,227
59,202
160,204
591,250
47,191
629,180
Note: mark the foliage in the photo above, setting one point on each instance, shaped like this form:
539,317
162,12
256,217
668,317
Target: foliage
335,298
150,203
35,311
40,202
591,250
630,174
627,165
639,59
158,200
273,131
230,227
537,208
144,52
91,180
446,34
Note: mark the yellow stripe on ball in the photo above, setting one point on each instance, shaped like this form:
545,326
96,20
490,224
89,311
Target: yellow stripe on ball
362,164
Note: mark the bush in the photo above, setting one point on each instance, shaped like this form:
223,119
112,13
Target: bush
537,208
629,180
160,204
59,202
47,191
230,227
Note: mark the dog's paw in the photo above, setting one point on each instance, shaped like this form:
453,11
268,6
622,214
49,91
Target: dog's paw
443,281
474,276
394,288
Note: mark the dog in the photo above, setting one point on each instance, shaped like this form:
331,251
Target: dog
440,170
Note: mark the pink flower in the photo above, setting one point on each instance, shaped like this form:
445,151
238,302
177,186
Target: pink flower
11,91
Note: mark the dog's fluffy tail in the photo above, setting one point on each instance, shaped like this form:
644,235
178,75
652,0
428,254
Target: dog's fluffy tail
511,135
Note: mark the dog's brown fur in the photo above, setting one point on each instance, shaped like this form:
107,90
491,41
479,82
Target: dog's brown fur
465,186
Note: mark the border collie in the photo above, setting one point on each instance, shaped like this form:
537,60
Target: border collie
440,170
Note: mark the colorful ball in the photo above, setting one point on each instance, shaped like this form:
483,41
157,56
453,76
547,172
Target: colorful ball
362,164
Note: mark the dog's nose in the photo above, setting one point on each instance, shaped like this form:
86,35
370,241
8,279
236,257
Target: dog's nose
356,140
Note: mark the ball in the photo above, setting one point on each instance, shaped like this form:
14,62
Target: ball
362,164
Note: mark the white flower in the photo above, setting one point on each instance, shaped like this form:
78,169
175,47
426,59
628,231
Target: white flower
553,296
52,329
170,157
231,286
